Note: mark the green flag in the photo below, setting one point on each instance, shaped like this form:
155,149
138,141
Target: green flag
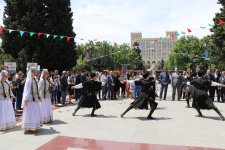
31,34
61,37
211,25
55,36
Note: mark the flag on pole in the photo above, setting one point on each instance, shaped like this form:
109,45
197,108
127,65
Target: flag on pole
202,27
189,30
1,30
221,21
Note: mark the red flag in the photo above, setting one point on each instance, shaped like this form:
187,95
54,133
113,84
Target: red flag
68,38
189,30
221,21
1,30
40,33
156,40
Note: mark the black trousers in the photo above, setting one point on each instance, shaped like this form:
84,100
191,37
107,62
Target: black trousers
212,92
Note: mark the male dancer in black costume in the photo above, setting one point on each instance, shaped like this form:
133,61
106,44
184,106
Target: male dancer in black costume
188,88
147,95
201,99
89,98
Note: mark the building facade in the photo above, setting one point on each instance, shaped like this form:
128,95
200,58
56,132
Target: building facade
154,50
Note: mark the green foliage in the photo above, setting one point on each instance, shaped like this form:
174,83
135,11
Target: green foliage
187,52
4,58
80,64
53,17
103,55
218,38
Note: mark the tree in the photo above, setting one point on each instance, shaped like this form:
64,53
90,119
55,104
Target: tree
162,64
218,50
4,58
103,55
47,16
187,52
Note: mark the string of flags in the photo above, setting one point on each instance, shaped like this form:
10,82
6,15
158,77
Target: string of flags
21,33
68,38
177,34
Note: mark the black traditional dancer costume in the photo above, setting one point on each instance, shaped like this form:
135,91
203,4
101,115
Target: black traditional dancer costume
89,98
201,99
147,95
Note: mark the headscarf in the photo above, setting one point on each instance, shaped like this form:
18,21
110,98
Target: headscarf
28,85
42,75
4,73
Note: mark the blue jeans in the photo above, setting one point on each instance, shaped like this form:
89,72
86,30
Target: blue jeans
104,91
63,95
163,88
110,92
53,97
137,90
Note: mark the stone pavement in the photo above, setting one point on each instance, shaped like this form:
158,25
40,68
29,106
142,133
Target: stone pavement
174,125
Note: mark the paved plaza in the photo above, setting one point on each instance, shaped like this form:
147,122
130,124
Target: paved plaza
175,127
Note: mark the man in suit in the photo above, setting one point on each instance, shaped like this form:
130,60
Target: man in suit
164,80
63,86
209,76
177,80
222,89
110,85
217,76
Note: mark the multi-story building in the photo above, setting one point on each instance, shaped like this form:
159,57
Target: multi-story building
154,50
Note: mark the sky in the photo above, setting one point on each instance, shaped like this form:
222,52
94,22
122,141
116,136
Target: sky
114,20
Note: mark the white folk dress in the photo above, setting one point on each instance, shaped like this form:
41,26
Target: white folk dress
46,104
31,119
7,115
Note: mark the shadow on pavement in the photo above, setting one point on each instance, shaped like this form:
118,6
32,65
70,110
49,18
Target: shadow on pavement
56,122
99,116
213,118
17,128
47,132
161,108
145,118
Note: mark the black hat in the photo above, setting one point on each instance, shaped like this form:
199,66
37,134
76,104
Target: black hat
146,74
92,74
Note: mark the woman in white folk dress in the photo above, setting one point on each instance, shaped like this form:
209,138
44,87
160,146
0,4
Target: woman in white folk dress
46,104
31,120
7,115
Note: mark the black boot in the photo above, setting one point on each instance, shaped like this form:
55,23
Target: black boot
93,112
128,109
153,108
218,112
75,111
188,103
199,112
150,114
198,109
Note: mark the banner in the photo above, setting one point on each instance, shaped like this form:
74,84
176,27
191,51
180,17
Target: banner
10,66
29,65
